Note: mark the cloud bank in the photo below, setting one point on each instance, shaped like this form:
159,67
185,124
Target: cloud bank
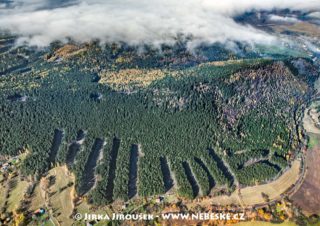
315,15
286,19
40,22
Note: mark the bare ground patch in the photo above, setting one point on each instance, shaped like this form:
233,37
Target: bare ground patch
308,196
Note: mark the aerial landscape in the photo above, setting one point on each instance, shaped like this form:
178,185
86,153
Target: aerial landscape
160,112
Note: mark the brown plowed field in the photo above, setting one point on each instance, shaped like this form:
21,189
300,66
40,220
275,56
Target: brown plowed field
308,195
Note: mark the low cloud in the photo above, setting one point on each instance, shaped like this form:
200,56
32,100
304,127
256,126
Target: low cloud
315,15
40,22
286,19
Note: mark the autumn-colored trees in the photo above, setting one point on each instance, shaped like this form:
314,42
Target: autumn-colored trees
180,117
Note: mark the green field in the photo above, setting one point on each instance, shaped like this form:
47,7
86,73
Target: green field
313,140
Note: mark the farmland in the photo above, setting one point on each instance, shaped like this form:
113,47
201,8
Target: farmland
61,195
307,196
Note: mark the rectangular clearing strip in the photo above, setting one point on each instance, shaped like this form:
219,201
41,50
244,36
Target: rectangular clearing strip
88,178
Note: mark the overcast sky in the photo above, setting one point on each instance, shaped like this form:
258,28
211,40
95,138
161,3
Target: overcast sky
39,22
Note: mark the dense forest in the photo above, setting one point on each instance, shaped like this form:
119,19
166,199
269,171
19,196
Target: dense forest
178,131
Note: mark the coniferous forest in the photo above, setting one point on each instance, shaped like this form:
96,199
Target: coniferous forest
198,126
